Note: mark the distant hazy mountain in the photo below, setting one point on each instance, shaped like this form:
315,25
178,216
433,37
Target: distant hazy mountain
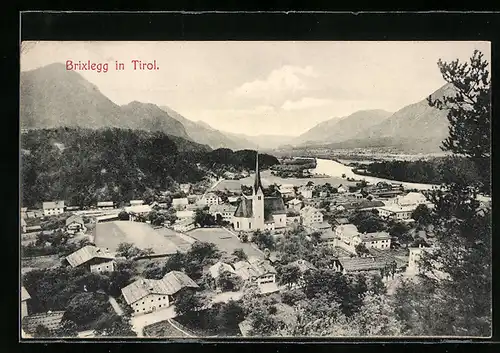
205,134
51,96
341,129
414,121
147,116
416,127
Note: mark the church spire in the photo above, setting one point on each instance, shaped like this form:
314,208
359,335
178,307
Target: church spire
257,184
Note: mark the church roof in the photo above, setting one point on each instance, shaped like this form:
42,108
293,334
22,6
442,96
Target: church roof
274,204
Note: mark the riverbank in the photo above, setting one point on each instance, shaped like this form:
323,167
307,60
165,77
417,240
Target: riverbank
335,169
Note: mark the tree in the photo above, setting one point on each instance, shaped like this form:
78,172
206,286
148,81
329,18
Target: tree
203,218
67,329
189,301
469,113
42,331
86,307
361,249
112,325
263,240
229,315
422,215
290,274
240,254
367,222
228,281
243,237
400,231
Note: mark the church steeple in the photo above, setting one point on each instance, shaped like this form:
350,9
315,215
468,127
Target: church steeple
257,183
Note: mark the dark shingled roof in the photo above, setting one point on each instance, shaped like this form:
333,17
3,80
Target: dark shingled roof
274,204
258,183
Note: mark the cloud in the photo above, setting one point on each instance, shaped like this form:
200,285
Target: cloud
305,103
286,78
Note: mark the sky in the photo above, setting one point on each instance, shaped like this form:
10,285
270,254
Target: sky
276,88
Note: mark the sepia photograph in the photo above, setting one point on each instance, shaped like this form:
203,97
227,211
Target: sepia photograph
255,189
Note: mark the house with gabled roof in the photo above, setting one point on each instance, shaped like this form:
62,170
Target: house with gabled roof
92,258
148,295
51,320
51,208
75,224
259,212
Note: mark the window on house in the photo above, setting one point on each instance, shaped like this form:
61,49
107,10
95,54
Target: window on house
259,197
142,302
137,311
159,306
163,297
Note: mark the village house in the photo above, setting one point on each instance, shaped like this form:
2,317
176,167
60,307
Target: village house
319,227
329,238
105,205
347,233
294,204
25,296
342,190
219,268
259,212
184,225
378,240
50,320
340,221
210,198
413,258
225,211
306,192
396,212
184,214
233,199
310,215
287,190
180,203
257,271
53,208
148,295
92,258
413,199
75,224
136,202
136,210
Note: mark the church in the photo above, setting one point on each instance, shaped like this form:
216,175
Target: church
259,212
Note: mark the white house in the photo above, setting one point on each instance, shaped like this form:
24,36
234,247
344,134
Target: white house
136,202
310,215
225,211
75,224
210,198
184,214
106,205
180,203
412,199
347,233
306,192
220,267
88,256
396,212
295,204
341,189
148,295
377,240
287,190
184,225
256,271
108,266
53,208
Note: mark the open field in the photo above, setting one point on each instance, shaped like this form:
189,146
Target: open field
224,240
142,235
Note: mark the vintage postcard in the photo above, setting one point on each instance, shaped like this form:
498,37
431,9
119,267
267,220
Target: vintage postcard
185,189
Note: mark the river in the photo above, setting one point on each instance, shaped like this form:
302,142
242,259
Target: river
336,169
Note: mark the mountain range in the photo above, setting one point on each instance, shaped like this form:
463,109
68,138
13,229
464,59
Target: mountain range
51,97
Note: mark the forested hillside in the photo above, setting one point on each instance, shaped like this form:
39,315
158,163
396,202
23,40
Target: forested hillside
83,166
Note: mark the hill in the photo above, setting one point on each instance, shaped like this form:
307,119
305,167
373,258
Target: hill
341,129
204,133
415,127
53,97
